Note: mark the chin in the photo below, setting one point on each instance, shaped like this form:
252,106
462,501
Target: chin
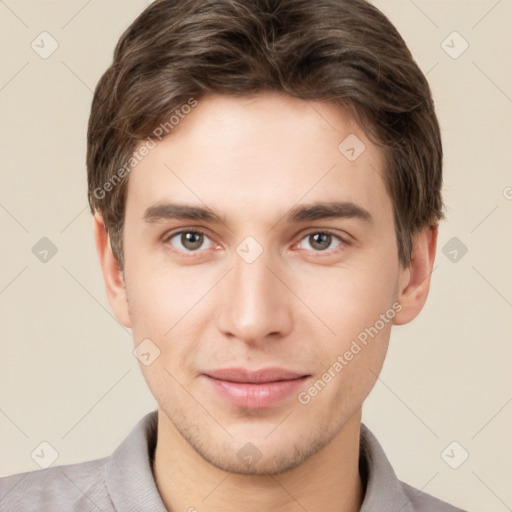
265,457
249,460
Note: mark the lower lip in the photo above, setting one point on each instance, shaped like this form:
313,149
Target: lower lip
255,396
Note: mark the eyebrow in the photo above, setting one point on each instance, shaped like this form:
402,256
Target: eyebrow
332,210
300,213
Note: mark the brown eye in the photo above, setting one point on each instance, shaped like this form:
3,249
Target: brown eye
320,241
189,241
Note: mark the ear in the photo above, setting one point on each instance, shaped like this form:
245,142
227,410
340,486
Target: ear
112,274
414,283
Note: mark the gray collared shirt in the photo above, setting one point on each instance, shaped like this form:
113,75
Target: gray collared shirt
124,482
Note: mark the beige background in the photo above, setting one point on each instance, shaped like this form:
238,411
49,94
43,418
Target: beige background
67,373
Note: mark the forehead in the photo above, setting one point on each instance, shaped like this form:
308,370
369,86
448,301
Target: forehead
261,154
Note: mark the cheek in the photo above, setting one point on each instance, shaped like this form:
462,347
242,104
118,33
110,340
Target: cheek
348,299
161,295
356,303
167,307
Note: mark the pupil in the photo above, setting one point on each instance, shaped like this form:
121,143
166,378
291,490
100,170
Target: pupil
192,240
321,241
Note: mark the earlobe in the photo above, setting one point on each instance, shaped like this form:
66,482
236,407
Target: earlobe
414,282
112,274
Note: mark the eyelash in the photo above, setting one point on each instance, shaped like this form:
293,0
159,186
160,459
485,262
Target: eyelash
343,241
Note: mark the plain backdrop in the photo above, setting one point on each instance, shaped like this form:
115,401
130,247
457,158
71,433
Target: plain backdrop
67,372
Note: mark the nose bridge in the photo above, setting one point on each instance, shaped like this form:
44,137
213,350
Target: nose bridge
254,304
252,279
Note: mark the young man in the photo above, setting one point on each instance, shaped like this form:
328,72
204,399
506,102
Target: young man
265,181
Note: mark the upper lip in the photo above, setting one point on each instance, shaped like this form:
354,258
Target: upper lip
254,376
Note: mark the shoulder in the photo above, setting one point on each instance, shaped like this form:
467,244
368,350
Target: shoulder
120,481
420,501
384,491
68,487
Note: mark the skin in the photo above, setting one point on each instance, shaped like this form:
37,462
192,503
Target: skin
297,307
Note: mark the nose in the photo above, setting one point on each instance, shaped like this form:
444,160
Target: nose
255,305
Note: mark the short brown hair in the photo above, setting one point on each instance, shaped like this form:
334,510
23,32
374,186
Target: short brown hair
343,51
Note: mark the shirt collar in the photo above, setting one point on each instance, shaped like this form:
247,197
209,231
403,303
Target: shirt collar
383,489
128,473
130,480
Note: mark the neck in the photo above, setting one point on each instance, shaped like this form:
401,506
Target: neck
327,481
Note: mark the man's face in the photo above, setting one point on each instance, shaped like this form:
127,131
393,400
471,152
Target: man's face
264,288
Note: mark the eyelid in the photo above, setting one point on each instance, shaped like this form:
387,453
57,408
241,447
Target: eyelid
345,240
187,229
345,237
